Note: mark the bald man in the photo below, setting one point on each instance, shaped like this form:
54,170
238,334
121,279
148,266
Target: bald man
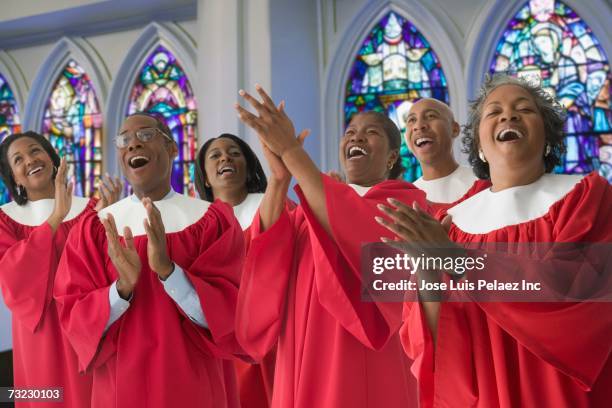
430,132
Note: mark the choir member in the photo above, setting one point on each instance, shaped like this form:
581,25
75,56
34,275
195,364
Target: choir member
301,286
33,231
227,169
147,289
509,354
430,132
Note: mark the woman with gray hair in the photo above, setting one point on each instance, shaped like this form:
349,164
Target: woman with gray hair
508,353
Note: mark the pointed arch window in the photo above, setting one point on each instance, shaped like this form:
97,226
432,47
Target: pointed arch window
395,67
548,41
73,124
162,88
9,124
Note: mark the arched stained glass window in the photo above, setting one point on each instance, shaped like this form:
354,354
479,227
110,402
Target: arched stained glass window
547,40
9,124
394,67
162,88
73,124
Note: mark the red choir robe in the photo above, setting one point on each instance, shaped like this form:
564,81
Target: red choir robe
509,354
254,380
154,355
29,256
301,290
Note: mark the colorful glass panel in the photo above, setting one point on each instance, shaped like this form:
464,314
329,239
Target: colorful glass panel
162,88
9,124
547,41
394,68
73,124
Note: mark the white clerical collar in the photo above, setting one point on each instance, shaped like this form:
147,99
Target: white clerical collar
449,188
245,211
361,190
177,211
488,211
34,213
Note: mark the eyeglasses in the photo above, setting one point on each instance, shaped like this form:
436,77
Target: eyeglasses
144,135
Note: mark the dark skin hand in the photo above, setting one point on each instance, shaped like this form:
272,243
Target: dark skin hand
124,257
276,131
110,191
421,232
157,251
63,197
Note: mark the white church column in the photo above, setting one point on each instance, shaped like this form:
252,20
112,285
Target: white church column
233,53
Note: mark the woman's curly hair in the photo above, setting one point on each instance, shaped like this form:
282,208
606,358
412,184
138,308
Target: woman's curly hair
553,115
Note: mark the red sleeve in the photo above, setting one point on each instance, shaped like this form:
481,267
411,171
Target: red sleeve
265,281
576,338
81,290
215,275
338,257
27,267
418,344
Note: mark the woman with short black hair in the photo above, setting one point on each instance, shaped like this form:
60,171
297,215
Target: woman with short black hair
33,231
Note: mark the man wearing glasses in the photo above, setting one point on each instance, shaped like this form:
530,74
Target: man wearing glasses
147,288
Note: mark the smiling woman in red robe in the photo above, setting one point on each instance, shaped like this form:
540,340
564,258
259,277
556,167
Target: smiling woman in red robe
147,289
227,169
301,287
33,231
507,354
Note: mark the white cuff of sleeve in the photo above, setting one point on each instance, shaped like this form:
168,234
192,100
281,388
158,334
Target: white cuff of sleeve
118,306
181,290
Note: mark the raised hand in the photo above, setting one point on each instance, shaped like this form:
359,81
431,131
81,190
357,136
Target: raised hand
278,169
63,196
157,251
124,257
110,191
271,123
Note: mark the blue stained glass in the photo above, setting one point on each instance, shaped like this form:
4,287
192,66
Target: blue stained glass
552,42
73,124
394,67
163,88
9,124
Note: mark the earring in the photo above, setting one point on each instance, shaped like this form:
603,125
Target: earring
481,156
547,150
20,190
54,171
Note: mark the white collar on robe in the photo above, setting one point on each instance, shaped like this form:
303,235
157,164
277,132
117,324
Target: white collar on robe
361,190
177,211
449,188
245,211
488,211
34,213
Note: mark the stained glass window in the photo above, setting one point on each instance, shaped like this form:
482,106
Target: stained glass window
548,41
9,124
73,124
162,88
394,68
